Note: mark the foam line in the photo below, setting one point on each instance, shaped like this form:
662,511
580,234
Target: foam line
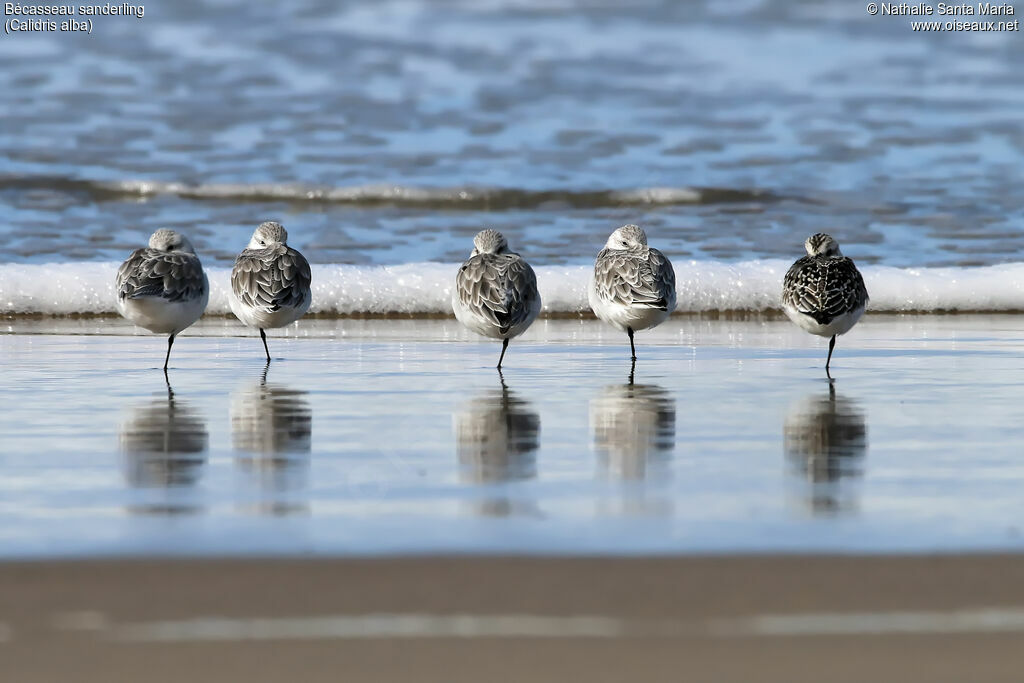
425,288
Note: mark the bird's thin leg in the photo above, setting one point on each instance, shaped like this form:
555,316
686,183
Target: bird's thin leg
170,391
632,369
263,336
831,345
263,375
167,358
504,345
632,347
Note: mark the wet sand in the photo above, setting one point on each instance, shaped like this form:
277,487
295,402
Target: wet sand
670,619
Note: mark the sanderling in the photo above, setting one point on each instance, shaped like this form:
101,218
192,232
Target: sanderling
825,438
164,443
269,422
634,428
163,287
633,286
824,292
496,435
270,282
495,291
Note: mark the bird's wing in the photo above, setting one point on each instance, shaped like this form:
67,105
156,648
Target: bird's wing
271,279
635,279
663,276
824,288
500,287
174,276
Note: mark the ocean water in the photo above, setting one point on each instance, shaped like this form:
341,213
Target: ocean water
385,133
399,436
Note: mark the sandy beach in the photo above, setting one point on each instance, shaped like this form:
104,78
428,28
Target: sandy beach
450,619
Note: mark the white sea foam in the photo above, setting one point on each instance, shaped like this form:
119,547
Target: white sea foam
425,288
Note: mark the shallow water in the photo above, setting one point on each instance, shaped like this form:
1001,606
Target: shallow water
399,436
369,128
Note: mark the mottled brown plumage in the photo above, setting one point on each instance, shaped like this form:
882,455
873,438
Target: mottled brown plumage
635,278
162,287
823,292
173,276
495,292
824,287
502,288
272,278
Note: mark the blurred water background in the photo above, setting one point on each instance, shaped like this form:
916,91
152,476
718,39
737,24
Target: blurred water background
390,132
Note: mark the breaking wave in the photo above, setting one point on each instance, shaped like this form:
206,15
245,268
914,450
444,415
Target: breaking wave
425,288
465,198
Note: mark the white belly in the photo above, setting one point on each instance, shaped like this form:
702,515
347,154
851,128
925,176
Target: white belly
634,317
162,316
839,325
254,317
485,327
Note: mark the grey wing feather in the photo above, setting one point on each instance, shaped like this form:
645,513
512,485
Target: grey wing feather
500,287
271,279
631,279
824,288
174,276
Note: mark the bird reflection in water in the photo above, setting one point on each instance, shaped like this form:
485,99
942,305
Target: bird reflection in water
497,435
826,439
164,444
272,434
634,428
